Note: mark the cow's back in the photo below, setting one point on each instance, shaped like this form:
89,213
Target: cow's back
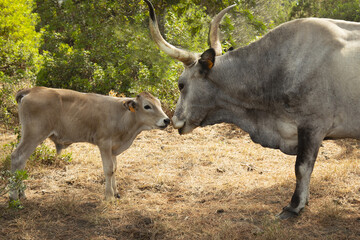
321,62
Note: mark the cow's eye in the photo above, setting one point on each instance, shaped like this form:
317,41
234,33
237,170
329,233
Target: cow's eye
147,107
181,86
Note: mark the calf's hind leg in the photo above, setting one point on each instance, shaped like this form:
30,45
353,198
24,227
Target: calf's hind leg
25,148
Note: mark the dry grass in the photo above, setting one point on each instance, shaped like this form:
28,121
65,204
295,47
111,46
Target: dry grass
212,184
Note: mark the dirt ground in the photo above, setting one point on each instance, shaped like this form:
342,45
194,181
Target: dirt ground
212,184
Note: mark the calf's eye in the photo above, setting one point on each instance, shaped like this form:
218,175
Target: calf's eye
181,86
147,107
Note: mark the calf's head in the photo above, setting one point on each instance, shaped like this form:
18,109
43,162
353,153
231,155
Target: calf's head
148,111
197,91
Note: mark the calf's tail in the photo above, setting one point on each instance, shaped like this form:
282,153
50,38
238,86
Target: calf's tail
20,94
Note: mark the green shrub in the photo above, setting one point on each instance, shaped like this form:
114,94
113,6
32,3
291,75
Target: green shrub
338,9
13,182
19,56
47,156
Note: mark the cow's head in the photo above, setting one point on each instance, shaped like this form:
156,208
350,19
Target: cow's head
197,92
148,111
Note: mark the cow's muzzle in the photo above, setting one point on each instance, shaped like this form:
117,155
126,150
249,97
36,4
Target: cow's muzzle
177,123
183,126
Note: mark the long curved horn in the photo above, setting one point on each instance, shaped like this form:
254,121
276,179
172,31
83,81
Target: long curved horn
214,30
186,57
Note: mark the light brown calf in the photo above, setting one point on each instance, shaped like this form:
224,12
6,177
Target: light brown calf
67,116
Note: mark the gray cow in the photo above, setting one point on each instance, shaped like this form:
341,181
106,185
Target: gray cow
290,90
67,117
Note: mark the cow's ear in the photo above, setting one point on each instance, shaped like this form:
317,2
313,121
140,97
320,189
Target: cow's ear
207,59
130,105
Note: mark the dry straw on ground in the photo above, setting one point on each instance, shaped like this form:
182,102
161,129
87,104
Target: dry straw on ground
212,184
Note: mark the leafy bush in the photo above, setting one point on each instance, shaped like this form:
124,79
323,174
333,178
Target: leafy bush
8,108
101,45
19,56
337,9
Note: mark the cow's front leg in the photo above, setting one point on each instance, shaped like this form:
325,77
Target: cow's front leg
109,171
309,141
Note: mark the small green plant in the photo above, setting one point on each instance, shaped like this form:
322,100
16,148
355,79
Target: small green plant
47,156
15,204
13,182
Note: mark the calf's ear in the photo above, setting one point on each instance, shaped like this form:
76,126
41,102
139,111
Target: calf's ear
207,60
130,105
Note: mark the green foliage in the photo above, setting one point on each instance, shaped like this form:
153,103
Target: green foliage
337,9
47,156
304,8
104,45
258,24
13,182
19,57
98,46
19,41
16,180
15,204
16,183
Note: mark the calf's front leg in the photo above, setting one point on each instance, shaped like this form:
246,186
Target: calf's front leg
109,166
113,180
309,141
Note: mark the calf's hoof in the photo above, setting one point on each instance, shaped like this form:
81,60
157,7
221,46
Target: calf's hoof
287,213
109,198
112,197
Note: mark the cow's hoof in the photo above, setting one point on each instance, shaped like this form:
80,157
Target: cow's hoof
117,195
287,213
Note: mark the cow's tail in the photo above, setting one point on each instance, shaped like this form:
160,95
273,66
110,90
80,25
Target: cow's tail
20,94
